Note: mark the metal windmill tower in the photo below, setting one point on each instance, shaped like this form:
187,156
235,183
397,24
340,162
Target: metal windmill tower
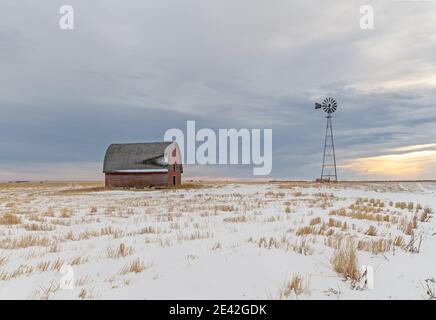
328,172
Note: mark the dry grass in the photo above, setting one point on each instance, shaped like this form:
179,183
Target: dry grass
57,265
24,241
85,294
315,221
414,245
336,241
274,218
399,241
83,281
321,229
372,231
335,223
400,205
22,270
375,246
110,231
306,230
3,260
345,261
410,226
149,229
135,266
78,191
275,195
66,212
301,246
430,288
425,215
45,293
193,185
196,235
9,219
48,185
49,213
43,266
54,247
78,261
225,208
365,213
216,246
120,252
237,219
296,286
169,217
39,227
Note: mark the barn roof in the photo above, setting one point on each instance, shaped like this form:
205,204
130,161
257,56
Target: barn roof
135,156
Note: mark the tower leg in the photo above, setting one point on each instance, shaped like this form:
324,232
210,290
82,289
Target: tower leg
329,171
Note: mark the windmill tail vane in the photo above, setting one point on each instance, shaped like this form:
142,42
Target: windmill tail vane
328,171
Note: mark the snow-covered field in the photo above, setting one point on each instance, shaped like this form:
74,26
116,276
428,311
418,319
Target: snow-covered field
215,241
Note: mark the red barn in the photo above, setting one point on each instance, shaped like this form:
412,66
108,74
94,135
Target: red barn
137,165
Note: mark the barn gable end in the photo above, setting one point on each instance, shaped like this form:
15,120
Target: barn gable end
142,164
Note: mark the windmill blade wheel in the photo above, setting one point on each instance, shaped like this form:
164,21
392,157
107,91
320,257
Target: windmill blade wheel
329,105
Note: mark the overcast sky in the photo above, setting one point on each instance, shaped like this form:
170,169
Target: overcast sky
132,69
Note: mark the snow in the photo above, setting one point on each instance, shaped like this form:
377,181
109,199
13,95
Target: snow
203,242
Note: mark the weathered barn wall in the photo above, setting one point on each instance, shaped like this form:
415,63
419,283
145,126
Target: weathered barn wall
174,171
132,180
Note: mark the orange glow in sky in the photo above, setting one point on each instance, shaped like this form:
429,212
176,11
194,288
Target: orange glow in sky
414,164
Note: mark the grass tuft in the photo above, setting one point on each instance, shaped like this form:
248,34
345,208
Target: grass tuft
345,261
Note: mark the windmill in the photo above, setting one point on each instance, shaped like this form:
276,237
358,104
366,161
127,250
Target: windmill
328,171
